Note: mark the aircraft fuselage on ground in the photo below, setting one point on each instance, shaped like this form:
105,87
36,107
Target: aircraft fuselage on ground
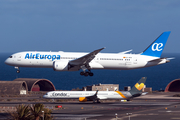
84,96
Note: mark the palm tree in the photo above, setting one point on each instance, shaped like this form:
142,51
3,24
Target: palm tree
23,113
47,114
36,111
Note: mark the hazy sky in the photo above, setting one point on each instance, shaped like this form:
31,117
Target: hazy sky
87,25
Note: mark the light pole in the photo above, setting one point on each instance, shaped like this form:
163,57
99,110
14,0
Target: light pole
116,115
129,115
43,114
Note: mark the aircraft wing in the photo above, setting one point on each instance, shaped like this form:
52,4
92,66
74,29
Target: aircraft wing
84,60
93,97
102,97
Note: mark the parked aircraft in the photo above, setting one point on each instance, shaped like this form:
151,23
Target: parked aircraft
74,61
84,96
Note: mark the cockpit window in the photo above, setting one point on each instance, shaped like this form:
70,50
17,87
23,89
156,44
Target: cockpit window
10,56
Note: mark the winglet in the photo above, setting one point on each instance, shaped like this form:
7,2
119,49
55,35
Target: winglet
97,51
96,93
156,48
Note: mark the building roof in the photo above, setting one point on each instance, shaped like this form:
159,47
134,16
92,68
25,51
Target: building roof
44,84
173,86
12,87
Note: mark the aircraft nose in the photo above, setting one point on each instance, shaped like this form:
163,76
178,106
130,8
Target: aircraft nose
8,61
44,96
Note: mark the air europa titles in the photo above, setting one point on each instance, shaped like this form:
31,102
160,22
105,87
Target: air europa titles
42,56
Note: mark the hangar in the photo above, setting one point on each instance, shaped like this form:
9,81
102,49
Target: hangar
173,86
13,87
35,84
21,86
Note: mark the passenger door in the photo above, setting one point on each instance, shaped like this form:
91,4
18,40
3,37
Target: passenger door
18,57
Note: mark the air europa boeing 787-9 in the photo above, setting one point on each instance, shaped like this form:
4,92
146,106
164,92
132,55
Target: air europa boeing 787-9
74,61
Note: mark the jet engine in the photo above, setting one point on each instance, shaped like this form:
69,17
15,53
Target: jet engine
83,99
60,66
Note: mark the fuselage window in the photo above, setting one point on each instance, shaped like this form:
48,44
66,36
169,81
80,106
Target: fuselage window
127,59
68,58
114,59
110,59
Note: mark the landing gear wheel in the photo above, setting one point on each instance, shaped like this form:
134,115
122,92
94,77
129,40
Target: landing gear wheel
81,73
129,99
18,71
86,74
91,74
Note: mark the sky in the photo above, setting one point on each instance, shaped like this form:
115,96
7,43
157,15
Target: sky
87,25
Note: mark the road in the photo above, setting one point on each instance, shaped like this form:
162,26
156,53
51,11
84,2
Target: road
156,106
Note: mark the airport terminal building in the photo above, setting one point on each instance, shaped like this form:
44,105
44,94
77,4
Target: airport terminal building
102,87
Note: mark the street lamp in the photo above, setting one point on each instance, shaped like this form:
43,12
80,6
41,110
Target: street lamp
129,115
116,115
43,114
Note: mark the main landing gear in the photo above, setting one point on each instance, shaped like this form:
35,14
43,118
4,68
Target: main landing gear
86,70
86,73
94,101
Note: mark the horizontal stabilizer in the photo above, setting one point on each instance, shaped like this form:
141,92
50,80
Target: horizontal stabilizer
161,59
125,52
157,60
144,93
170,58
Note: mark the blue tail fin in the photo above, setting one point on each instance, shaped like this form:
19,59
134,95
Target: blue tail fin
156,48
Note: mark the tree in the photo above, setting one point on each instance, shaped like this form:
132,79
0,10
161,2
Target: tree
36,111
25,112
47,114
22,113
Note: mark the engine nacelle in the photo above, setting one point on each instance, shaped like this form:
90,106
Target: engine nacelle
83,99
60,66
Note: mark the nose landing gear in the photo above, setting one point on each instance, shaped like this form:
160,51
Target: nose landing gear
18,71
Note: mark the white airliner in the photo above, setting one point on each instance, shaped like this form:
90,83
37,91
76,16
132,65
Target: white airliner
84,96
74,61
